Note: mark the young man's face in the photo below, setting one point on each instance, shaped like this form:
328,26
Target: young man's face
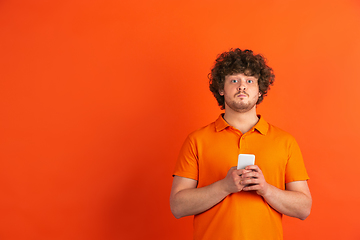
241,92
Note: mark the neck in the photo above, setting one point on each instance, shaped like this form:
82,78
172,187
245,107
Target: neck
242,121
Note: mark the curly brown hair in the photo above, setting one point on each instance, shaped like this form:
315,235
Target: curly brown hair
240,61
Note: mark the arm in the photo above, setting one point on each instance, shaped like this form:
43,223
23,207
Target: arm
294,201
186,199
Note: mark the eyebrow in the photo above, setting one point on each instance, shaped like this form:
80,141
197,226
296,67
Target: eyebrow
233,77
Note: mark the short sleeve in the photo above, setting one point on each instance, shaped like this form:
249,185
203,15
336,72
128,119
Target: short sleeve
187,163
295,168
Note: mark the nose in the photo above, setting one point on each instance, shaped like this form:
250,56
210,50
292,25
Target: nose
242,86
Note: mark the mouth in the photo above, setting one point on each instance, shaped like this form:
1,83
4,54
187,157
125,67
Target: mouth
241,95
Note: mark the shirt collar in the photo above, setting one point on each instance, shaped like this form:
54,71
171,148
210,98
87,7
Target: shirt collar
261,126
220,123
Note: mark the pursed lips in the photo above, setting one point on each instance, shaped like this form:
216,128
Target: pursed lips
241,94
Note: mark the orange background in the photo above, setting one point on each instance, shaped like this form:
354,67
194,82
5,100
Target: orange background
98,96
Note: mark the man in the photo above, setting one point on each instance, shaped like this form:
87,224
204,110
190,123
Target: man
231,203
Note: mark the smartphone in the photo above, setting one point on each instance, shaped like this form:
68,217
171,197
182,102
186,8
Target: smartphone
245,160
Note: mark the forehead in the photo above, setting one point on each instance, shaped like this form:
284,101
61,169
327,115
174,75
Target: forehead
240,75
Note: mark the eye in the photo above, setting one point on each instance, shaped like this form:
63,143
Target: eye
234,81
249,81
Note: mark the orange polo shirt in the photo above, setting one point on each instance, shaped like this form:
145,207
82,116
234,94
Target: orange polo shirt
209,153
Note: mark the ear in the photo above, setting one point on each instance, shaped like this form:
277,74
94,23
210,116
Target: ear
221,92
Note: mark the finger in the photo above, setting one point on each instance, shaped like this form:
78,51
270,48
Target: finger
253,187
235,177
244,170
251,174
250,181
239,172
248,175
233,171
253,168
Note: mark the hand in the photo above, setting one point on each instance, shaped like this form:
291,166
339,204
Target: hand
231,183
254,178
